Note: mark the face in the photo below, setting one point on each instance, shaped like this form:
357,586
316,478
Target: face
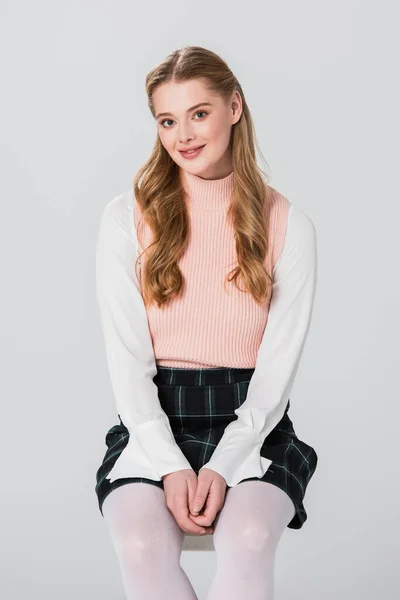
188,116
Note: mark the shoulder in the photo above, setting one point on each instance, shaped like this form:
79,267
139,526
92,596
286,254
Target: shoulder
293,228
117,232
300,229
120,209
117,215
284,210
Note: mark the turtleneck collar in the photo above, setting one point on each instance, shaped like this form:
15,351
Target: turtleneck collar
208,194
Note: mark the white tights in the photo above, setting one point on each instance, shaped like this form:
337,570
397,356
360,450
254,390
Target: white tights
148,542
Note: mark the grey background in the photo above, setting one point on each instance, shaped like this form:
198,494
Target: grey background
321,79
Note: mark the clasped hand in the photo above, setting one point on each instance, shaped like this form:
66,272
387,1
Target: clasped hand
193,500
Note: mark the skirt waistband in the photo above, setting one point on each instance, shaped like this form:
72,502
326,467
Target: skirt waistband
201,377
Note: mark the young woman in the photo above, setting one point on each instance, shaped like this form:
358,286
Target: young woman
206,279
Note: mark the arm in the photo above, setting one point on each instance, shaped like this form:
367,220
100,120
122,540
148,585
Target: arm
237,456
152,450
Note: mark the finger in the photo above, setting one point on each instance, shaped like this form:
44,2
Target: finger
213,505
208,512
189,526
186,523
202,521
203,486
181,514
208,517
192,487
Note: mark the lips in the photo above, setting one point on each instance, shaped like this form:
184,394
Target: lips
194,148
193,153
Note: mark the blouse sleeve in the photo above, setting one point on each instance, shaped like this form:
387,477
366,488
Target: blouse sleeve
151,450
237,455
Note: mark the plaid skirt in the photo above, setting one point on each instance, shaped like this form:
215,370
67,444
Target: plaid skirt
200,403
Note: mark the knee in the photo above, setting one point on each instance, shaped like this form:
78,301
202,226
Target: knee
142,549
256,538
251,537
139,550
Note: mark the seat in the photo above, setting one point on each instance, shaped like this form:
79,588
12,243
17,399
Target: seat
198,542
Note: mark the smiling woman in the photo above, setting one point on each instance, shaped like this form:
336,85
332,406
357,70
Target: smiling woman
202,368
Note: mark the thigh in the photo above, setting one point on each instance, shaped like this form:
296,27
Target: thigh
254,513
137,512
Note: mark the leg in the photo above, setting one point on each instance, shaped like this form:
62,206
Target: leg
246,533
148,543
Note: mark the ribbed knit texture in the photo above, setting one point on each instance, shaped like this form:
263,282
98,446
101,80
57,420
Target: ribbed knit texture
208,326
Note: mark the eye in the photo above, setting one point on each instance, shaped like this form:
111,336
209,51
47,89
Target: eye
196,113
163,121
201,111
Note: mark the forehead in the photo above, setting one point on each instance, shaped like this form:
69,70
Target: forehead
176,98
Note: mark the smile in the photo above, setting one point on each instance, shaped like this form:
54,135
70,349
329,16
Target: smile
191,153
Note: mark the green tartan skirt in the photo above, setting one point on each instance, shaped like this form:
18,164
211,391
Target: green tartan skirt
200,403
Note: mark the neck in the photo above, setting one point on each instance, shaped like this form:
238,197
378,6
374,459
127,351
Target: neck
207,194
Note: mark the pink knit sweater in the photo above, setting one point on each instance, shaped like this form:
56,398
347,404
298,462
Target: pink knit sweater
208,326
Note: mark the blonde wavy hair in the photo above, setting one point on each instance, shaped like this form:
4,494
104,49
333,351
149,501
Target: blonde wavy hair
160,194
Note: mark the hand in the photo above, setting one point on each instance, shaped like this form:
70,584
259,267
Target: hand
211,491
180,487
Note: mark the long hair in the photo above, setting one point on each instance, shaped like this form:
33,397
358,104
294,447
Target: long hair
160,194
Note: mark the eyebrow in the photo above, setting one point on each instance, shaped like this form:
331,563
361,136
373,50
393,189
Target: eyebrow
165,114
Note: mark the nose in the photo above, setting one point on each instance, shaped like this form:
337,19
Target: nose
185,134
